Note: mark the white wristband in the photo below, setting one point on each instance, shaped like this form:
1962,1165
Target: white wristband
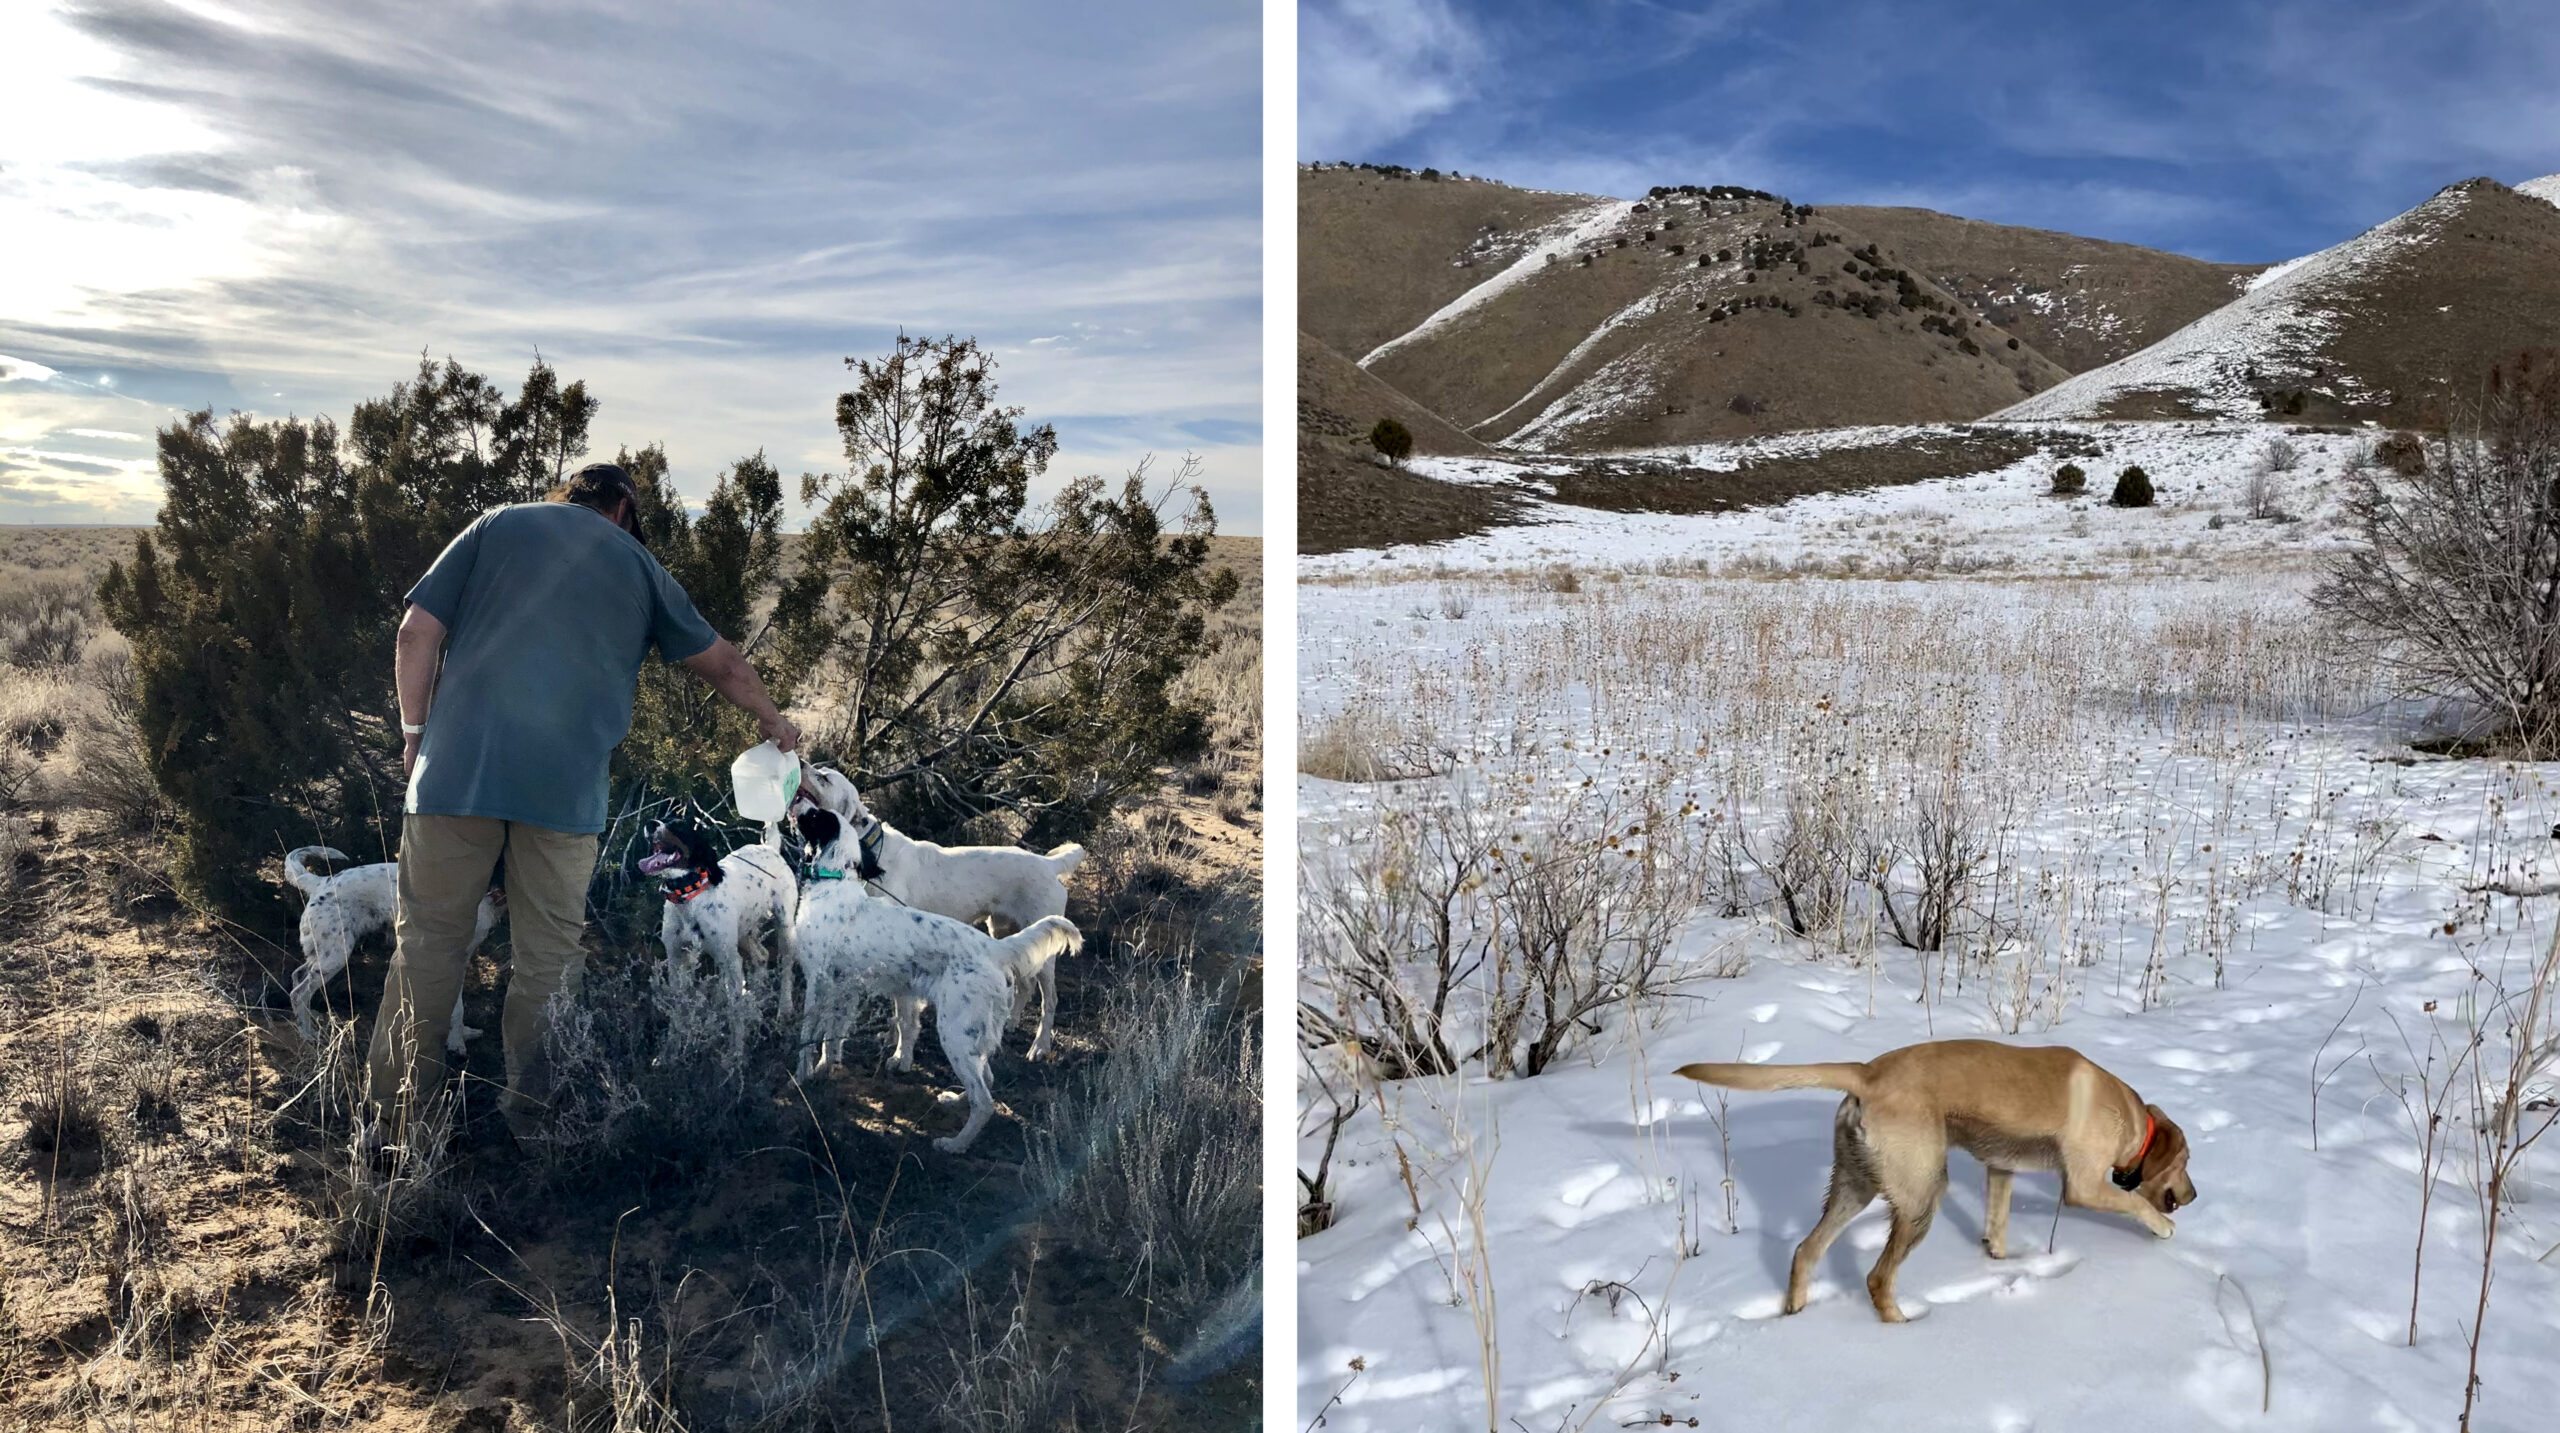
407,730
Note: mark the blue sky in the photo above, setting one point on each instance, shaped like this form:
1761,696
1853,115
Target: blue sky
2233,131
275,205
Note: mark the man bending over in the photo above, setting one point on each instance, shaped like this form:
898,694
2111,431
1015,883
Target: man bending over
542,613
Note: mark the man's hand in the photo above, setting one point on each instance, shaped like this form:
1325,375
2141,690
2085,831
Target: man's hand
777,728
725,668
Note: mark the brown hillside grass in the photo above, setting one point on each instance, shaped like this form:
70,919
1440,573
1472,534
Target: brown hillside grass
1377,255
1637,318
2432,321
1636,485
2105,299
1345,502
1341,401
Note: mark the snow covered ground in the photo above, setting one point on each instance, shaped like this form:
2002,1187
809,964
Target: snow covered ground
2204,854
2003,519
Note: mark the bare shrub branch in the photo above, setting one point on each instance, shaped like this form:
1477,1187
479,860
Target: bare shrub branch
2459,574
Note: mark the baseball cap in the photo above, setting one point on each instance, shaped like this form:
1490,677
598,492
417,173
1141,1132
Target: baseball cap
603,482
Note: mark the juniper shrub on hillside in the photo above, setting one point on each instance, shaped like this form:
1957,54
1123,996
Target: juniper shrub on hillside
261,608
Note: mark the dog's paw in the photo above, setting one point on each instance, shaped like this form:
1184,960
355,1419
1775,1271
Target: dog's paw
951,1144
1039,1050
1996,1249
1779,1305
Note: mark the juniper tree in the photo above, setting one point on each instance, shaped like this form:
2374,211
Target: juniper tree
261,609
1392,440
975,654
683,734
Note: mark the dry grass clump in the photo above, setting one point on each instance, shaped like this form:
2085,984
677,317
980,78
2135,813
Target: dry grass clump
1151,1157
645,1073
103,769
386,1186
38,706
1361,743
65,1135
1003,1386
69,735
1230,681
46,620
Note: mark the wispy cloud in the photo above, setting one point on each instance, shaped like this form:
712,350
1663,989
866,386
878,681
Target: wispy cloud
1371,71
699,210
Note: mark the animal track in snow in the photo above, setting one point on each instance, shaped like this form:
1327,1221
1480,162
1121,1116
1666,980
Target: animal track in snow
1577,1190
2004,1278
1411,1252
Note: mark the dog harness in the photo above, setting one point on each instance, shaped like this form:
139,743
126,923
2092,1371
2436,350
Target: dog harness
678,895
2129,1175
835,873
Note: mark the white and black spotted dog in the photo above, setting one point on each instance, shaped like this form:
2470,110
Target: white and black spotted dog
724,905
854,944
976,884
342,909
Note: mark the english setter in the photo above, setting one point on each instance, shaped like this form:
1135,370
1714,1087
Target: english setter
342,909
723,904
967,883
853,944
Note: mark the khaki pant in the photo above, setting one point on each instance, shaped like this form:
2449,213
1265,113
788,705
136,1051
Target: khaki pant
445,865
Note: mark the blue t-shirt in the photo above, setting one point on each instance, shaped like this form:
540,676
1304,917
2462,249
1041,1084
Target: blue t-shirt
548,610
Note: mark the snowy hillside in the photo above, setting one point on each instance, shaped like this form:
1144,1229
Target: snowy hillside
2546,189
2272,335
2181,830
2384,326
1584,226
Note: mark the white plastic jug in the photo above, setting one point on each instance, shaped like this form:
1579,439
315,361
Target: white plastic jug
762,782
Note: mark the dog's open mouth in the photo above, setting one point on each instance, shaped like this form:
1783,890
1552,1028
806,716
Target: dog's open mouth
657,861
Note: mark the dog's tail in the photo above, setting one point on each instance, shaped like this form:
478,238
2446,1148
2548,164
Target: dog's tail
1064,859
1040,942
297,868
1849,1079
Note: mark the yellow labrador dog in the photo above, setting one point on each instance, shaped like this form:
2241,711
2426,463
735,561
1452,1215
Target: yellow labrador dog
2042,1108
